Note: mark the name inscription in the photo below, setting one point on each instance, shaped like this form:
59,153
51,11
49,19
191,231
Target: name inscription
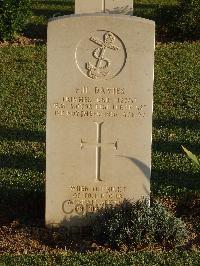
99,102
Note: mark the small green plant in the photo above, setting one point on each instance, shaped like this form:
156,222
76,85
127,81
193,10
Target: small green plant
137,223
14,15
192,156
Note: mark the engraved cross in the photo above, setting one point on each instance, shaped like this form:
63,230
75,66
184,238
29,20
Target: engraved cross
98,146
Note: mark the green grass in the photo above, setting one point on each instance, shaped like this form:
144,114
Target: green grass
22,128
148,8
43,10
103,259
176,118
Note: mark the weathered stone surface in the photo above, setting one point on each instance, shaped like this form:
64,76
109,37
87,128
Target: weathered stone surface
99,113
108,6
88,6
119,7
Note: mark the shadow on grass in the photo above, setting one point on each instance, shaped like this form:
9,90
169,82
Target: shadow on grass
39,30
165,17
36,31
147,11
21,134
169,24
53,3
21,161
24,204
177,180
177,123
174,146
47,13
143,10
17,202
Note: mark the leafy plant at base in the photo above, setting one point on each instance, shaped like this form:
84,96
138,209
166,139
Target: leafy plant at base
137,223
14,15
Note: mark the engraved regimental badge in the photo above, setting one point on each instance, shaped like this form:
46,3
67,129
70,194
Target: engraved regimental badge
102,55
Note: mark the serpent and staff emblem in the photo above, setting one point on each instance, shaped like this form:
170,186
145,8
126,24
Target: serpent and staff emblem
101,68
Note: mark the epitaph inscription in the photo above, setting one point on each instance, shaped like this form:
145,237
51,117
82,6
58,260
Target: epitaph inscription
85,200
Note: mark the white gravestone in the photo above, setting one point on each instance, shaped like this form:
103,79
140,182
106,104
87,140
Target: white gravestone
99,114
104,6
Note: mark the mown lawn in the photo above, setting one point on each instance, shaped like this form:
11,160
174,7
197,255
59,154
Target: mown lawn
178,258
176,118
176,122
